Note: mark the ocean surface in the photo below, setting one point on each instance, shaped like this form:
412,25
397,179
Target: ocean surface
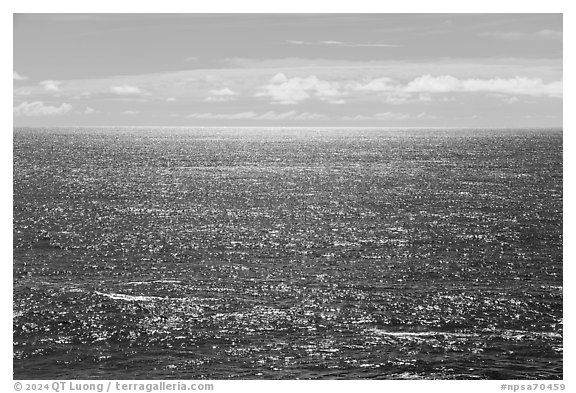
259,253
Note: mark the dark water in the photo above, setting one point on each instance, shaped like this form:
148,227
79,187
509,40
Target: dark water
259,253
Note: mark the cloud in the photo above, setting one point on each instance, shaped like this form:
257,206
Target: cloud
424,97
284,90
511,100
126,90
51,85
390,92
402,98
356,117
357,45
517,85
428,84
431,84
130,112
271,115
345,44
379,116
343,78
390,116
517,35
357,69
550,34
378,84
227,116
18,77
397,98
89,111
292,115
37,108
221,95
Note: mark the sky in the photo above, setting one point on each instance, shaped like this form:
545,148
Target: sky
373,70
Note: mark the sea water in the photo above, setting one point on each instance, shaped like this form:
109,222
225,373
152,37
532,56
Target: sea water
283,253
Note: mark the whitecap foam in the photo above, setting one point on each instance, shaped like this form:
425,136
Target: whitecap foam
153,282
419,334
409,334
129,298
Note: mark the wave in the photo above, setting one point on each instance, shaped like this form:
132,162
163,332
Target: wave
130,298
504,333
419,334
153,282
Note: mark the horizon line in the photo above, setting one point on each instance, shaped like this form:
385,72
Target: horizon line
311,126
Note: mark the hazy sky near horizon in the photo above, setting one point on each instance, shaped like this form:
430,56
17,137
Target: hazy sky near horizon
475,70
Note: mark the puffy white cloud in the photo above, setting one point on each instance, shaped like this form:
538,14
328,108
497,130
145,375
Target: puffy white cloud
18,77
130,112
279,78
517,85
270,115
51,85
431,84
378,84
389,91
284,90
126,90
221,95
394,92
38,108
89,111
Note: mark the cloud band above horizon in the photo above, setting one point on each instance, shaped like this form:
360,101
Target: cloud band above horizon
346,80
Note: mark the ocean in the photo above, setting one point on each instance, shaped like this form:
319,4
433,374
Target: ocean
287,253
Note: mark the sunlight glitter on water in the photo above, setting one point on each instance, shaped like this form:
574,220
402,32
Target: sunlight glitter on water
338,254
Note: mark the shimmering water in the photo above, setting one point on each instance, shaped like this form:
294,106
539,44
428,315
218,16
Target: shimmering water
287,253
